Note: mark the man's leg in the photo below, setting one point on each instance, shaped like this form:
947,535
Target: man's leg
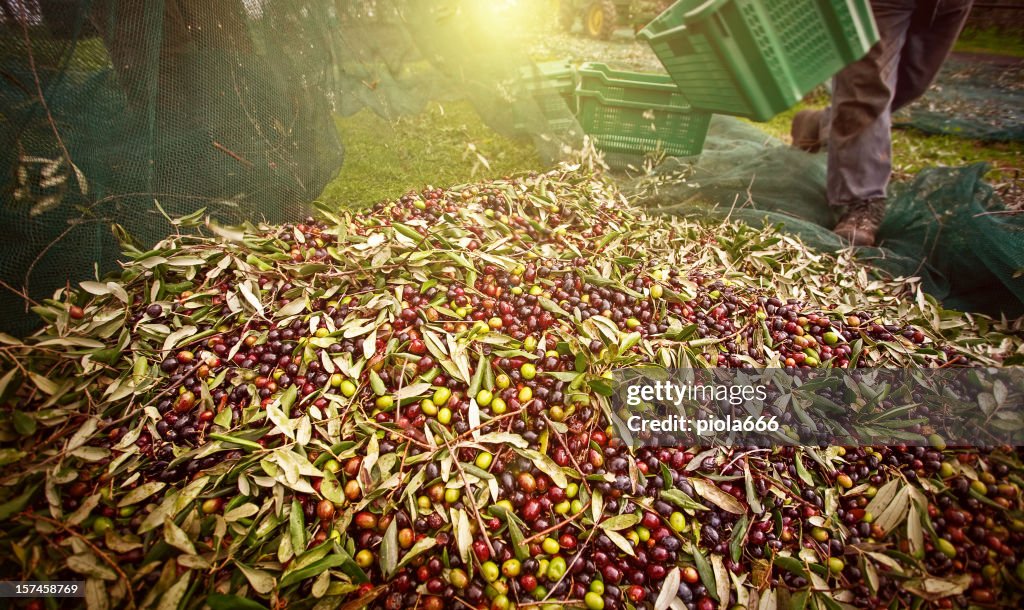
933,32
859,146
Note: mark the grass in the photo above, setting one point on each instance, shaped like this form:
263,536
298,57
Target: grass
443,145
991,40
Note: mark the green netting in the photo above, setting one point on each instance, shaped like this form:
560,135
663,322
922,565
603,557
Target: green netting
946,226
975,96
108,106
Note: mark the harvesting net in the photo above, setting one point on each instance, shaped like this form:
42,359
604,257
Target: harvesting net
975,96
946,226
116,117
126,114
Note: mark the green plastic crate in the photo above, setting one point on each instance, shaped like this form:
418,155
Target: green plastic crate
633,113
757,58
545,98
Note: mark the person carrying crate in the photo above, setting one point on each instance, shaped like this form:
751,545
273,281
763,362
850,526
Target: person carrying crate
915,37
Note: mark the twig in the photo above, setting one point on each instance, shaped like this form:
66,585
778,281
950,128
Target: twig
565,521
96,549
227,151
42,98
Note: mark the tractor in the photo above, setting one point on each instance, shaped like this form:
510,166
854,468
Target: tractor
602,17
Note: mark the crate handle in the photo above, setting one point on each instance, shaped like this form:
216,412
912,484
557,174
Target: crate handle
582,93
611,77
710,7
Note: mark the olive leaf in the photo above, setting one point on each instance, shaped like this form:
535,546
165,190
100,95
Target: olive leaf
96,597
894,512
519,547
140,493
620,541
88,565
262,581
297,527
915,532
295,307
668,591
721,591
738,538
933,588
421,546
176,537
706,571
389,549
173,596
619,522
546,465
752,498
716,496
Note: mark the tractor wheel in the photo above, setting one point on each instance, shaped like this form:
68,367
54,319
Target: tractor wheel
601,19
566,14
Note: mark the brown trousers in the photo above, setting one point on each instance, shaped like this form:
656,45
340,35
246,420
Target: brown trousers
916,36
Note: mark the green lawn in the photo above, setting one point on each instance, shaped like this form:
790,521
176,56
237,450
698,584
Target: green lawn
989,40
446,144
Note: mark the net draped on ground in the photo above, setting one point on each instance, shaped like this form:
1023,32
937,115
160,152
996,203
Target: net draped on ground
974,96
945,226
107,106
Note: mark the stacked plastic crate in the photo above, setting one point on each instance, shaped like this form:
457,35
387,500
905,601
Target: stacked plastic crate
747,58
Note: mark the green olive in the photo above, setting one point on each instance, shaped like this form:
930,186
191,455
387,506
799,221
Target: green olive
458,578
643,533
483,460
550,546
677,521
348,389
556,569
364,558
428,407
593,600
490,571
442,396
101,525
511,568
498,406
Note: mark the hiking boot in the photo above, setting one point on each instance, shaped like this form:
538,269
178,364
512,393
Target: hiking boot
806,130
861,221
